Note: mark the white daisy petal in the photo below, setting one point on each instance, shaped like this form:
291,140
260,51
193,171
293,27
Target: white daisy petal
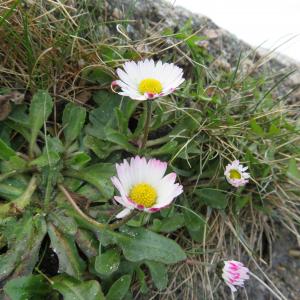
148,79
124,213
143,186
236,175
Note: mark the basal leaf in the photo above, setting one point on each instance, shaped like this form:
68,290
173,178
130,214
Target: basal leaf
5,151
213,198
140,244
73,121
119,289
159,274
33,287
27,234
73,289
98,175
46,159
40,109
108,262
64,246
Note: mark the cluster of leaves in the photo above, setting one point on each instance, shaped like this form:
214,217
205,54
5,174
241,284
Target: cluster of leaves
83,163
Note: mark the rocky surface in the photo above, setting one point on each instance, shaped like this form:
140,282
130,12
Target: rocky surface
154,16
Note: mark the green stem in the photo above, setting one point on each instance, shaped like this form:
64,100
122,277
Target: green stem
158,141
15,172
79,211
91,221
147,123
8,174
124,220
48,192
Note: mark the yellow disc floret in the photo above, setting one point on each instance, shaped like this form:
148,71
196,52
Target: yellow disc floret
143,194
150,85
234,174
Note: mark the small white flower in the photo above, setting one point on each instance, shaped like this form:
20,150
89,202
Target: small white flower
143,186
236,175
234,274
146,79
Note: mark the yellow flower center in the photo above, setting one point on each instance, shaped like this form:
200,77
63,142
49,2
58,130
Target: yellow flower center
150,85
234,174
143,194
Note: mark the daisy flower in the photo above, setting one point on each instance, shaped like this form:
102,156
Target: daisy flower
143,186
234,273
146,79
236,175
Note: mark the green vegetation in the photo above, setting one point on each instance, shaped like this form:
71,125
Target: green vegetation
63,131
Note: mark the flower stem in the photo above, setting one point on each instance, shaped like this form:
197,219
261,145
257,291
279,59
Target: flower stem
124,220
232,296
147,123
78,210
93,222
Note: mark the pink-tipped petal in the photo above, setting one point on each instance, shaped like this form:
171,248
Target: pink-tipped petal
151,172
234,274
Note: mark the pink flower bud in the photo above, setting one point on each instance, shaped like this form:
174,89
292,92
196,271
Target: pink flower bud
234,273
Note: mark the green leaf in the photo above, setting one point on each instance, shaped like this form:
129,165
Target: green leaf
64,246
168,224
195,224
13,187
54,144
256,128
124,113
101,148
103,117
140,244
122,140
19,115
87,243
31,257
293,170
213,198
73,289
21,202
159,274
168,148
46,159
28,234
273,130
73,121
108,262
5,151
33,287
119,289
40,109
98,175
16,163
78,160
66,224
241,202
100,76
141,278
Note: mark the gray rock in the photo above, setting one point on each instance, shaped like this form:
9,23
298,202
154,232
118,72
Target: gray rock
150,17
